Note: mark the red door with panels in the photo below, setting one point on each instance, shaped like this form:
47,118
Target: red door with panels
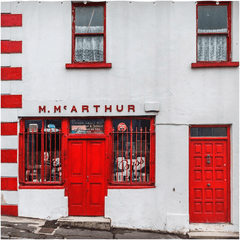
209,180
86,177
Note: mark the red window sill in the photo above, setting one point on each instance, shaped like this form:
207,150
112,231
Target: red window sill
87,65
40,187
214,64
129,186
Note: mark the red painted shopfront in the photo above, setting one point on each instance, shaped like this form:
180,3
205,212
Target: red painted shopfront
86,156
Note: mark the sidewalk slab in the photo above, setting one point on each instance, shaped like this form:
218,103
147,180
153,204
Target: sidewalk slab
86,222
213,235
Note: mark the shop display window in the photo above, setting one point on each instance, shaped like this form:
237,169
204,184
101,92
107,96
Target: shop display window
133,156
42,152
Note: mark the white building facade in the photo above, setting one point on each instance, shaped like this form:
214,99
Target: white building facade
127,110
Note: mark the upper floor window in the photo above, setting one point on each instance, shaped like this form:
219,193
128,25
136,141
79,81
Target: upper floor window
214,34
88,35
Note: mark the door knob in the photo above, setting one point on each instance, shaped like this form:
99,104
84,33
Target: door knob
208,184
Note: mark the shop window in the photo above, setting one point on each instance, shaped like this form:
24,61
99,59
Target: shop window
41,152
133,152
88,35
214,35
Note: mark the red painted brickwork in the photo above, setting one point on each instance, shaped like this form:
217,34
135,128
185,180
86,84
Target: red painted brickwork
9,184
9,128
9,210
9,155
11,46
11,101
11,20
11,73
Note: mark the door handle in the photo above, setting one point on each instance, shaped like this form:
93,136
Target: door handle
87,178
208,159
208,184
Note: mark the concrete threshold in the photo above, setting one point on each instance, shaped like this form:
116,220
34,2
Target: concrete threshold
213,235
100,223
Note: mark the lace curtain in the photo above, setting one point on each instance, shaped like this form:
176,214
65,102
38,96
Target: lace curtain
89,48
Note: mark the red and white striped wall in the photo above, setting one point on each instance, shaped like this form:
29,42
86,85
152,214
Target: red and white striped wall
11,101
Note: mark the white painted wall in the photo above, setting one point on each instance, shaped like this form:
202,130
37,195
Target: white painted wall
151,48
42,203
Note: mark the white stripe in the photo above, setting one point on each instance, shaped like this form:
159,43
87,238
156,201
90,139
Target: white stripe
16,87
9,115
9,142
16,60
16,34
9,169
5,60
5,87
9,197
5,33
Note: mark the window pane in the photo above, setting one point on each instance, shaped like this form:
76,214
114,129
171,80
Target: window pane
87,126
89,49
212,19
208,132
43,152
89,20
212,48
131,150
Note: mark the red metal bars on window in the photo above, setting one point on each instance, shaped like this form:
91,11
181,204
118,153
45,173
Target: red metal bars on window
131,156
42,156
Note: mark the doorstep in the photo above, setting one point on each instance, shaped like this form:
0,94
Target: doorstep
100,223
213,235
211,231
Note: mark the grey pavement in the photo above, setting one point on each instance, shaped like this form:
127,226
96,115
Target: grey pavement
29,228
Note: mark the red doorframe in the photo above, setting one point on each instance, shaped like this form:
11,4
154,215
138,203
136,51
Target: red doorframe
227,138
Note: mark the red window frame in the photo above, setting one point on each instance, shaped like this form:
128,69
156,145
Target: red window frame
22,174
228,62
75,64
124,185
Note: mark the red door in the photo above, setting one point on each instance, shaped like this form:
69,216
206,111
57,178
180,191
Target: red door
86,177
208,187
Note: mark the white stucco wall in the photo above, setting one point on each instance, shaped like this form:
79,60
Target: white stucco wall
42,203
151,48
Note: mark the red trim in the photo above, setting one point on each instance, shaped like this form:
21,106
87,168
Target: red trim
9,184
9,210
9,128
11,101
41,187
129,187
9,155
214,64
87,65
11,46
228,63
11,20
11,73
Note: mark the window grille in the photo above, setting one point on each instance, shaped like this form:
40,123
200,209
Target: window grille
132,155
42,163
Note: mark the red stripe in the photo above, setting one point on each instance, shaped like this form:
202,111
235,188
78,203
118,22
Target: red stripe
9,155
11,73
9,210
11,101
9,128
9,184
11,46
11,20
